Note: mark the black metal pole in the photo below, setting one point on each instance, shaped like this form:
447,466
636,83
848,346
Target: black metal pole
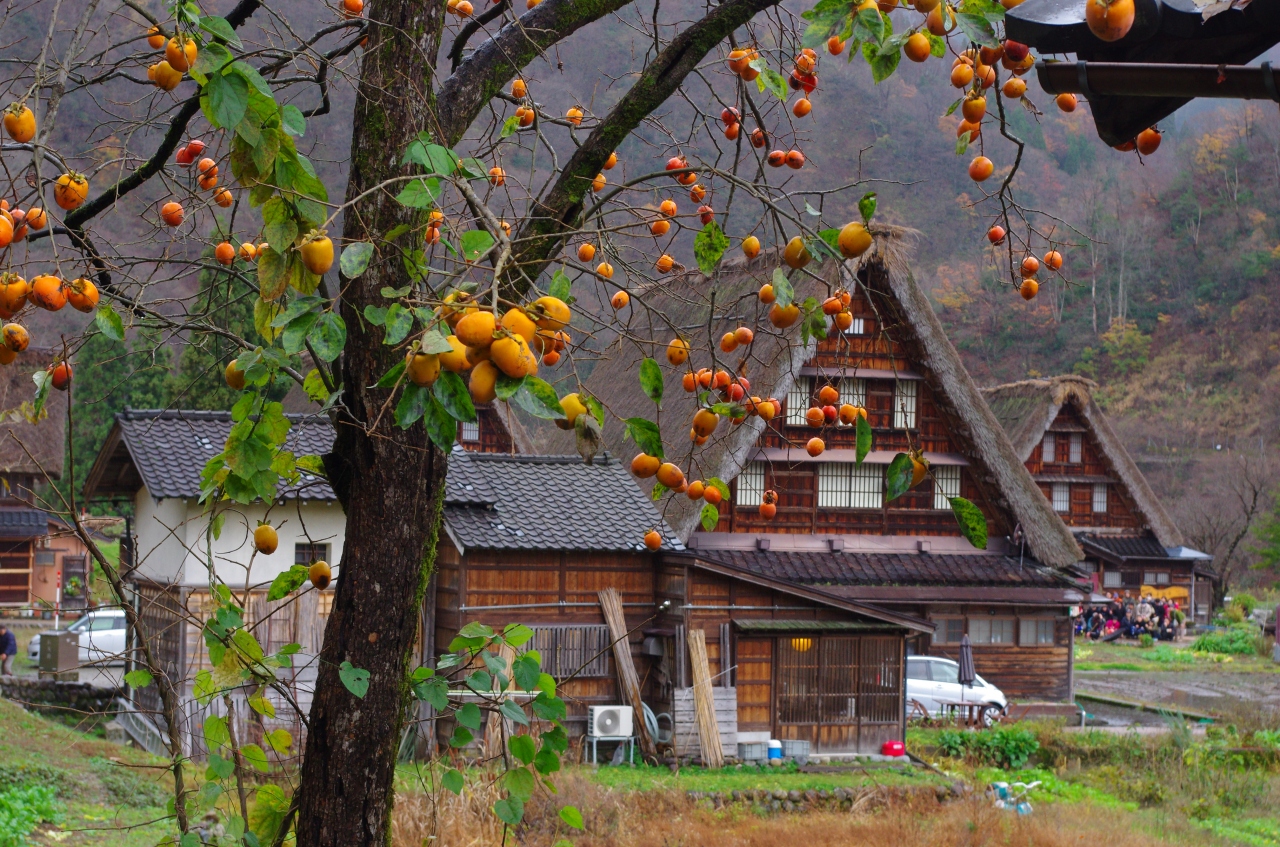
1126,79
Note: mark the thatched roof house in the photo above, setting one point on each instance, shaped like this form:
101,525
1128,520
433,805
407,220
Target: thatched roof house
30,450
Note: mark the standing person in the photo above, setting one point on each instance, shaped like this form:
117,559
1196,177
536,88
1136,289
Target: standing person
8,649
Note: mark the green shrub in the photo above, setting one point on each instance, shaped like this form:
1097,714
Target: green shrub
1004,747
1234,641
1145,641
36,773
22,809
1247,602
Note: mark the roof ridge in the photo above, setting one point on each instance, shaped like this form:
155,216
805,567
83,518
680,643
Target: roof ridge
604,459
202,415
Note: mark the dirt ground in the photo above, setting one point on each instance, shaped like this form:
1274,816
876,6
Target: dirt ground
1210,691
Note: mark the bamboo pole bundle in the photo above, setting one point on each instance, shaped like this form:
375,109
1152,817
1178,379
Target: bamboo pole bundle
704,701
628,680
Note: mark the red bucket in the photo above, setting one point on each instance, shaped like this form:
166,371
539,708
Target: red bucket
893,748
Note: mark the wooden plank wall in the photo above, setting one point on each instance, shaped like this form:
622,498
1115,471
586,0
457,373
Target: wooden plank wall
686,729
1022,673
1121,511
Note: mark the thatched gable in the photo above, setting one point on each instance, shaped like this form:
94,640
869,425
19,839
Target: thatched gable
27,448
1027,408
685,303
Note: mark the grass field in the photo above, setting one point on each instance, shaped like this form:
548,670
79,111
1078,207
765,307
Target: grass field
1163,657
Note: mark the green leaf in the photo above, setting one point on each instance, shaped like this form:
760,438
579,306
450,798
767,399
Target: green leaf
213,59
645,434
898,477
710,517
262,706
977,29
355,259
520,782
509,810
538,398
511,711
709,246
328,336
442,428
952,108
437,159
782,289
419,193
469,716
228,99
771,80
140,678
829,239
398,321
475,244
391,377
356,680
278,224
973,525
962,143
863,439
287,582
883,63
412,405
453,780
472,168
109,323
219,767
452,393
651,379
937,45
215,732
523,748
293,121
254,755
560,285
507,387
273,274
571,816
509,126
279,740
313,386
867,206
719,485
461,737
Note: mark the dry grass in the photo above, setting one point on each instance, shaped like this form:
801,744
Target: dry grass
617,818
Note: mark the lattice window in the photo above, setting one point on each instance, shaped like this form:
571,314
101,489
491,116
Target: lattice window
1049,448
1112,579
991,630
1076,451
858,327
949,631
904,404
751,484
1061,497
946,484
844,485
469,431
798,398
305,554
1035,632
853,391
1100,497
1155,578
574,649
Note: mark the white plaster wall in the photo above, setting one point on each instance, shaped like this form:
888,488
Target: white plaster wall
161,536
317,522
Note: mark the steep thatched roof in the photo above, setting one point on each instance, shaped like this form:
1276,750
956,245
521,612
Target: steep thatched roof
45,442
685,305
1027,408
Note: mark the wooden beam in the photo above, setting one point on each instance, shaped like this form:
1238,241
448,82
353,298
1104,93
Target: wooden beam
704,701
628,681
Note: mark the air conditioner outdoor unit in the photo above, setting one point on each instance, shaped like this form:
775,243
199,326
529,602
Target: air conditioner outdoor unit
610,721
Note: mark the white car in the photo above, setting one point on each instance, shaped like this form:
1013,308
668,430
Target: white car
102,637
933,682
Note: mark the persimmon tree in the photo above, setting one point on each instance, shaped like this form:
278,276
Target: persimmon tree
473,209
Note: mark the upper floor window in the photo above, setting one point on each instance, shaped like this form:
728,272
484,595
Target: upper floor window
1061,497
469,431
1099,497
798,397
844,485
305,554
1049,448
904,404
858,327
1077,448
853,391
946,484
1112,579
751,484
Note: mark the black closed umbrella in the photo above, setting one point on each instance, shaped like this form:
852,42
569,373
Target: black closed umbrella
967,674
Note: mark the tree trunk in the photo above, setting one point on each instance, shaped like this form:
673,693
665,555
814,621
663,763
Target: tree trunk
390,481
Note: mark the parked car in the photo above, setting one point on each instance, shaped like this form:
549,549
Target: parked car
933,681
102,637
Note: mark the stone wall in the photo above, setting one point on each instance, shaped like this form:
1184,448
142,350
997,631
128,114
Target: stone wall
72,702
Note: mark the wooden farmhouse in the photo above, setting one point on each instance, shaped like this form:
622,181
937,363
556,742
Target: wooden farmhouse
834,532
1132,547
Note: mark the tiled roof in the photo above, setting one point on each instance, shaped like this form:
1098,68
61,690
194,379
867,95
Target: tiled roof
1128,546
170,449
23,523
499,501
883,569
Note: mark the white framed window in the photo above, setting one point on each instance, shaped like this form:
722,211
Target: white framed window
1155,578
991,630
469,431
904,404
1076,453
1112,579
1061,497
1099,497
858,327
949,630
798,398
853,390
1049,448
1034,632
844,485
946,484
751,484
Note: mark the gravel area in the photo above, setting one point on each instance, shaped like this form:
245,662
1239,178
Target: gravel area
1210,691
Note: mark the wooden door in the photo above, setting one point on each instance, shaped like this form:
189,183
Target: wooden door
755,684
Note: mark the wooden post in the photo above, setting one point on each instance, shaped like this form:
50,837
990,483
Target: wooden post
704,701
628,681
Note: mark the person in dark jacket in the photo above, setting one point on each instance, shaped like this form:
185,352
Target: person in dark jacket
8,649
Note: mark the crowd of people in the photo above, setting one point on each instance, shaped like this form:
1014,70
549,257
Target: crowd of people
1125,617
